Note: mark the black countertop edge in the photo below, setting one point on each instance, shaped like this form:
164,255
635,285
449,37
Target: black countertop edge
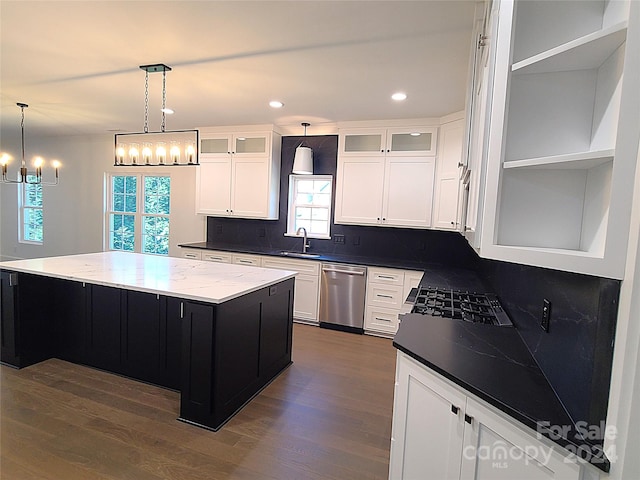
574,442
322,257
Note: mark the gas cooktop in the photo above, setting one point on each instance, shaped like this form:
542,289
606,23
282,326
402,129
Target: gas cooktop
470,307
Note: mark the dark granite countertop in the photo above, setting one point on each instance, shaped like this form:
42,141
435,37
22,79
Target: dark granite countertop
493,363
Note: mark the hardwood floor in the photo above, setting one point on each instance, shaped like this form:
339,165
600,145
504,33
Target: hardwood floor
328,416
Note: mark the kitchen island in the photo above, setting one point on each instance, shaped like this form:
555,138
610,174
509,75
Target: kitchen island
218,333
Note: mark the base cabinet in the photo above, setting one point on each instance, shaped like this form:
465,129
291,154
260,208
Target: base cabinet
387,289
440,432
232,350
307,287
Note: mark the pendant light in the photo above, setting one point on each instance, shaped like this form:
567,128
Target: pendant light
177,147
37,162
303,160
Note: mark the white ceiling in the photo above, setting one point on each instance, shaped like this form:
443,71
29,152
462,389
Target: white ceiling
76,62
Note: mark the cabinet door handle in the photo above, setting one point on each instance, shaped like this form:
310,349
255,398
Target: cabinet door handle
383,319
388,277
468,419
383,296
455,409
181,309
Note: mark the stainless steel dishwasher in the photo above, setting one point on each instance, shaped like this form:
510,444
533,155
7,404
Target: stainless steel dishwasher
342,296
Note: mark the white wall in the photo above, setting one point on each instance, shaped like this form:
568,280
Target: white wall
74,209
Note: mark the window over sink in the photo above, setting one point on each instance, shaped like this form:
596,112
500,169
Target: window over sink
310,200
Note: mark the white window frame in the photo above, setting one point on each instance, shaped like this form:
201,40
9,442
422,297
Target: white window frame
22,204
293,179
138,215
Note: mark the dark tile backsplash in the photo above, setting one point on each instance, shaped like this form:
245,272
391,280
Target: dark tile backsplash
575,354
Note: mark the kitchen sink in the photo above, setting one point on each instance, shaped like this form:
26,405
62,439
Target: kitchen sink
300,254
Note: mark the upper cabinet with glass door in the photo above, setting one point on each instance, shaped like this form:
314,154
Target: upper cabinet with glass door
240,144
404,141
563,141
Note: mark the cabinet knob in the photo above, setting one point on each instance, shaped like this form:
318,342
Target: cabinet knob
468,419
455,409
382,151
384,219
453,223
378,219
388,151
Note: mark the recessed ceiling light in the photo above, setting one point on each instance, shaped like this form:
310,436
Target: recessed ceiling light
399,96
276,104
168,111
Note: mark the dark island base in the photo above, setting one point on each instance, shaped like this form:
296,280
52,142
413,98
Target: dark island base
219,356
206,427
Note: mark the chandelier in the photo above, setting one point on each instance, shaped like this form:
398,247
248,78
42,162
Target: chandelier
5,158
177,147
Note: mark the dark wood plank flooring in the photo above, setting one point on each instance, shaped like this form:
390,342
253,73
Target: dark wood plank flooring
328,416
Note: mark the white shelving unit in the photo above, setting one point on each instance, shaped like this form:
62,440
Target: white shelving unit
563,125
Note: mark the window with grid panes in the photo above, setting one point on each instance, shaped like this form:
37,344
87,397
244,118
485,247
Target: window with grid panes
310,204
138,214
31,218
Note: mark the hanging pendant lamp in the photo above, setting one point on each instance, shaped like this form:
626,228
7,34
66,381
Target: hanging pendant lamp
303,160
37,162
177,147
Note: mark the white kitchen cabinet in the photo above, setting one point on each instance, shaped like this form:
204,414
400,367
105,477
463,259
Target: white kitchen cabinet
402,141
307,287
440,431
239,174
192,253
478,116
394,191
447,181
563,135
246,259
217,256
387,289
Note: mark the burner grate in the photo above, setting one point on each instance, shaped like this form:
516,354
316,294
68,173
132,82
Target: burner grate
467,306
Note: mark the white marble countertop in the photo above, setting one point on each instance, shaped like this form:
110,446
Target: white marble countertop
175,277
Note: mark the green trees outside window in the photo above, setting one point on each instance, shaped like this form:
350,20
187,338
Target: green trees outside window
133,230
31,218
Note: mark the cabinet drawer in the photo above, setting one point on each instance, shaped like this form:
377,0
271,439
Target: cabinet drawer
191,253
306,267
386,276
381,320
242,259
220,257
388,296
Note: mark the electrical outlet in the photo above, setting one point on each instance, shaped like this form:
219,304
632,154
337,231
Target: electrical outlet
546,315
338,238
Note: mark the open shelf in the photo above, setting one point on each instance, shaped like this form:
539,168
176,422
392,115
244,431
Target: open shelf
583,53
551,208
581,160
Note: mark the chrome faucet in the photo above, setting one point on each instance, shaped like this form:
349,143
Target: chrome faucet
305,245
